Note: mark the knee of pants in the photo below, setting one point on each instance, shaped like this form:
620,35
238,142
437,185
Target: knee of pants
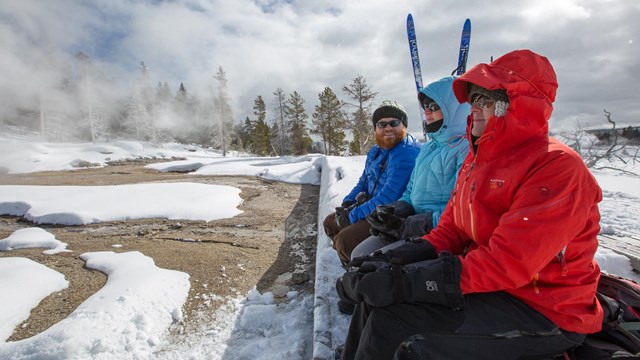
339,245
330,226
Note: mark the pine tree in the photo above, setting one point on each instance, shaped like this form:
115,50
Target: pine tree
260,143
181,94
358,122
93,118
274,138
297,122
146,96
186,128
244,131
354,144
163,113
223,109
162,94
279,131
328,121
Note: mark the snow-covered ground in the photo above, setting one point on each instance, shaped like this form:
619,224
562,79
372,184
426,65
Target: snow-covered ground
130,316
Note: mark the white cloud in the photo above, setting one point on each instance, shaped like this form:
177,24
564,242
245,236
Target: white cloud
305,46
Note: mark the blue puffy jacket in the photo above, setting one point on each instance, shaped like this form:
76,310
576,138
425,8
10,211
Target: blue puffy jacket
441,157
391,169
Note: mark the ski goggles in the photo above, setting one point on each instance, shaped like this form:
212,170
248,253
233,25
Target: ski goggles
432,106
483,102
383,124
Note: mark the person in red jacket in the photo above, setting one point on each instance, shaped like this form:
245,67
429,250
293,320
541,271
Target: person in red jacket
509,272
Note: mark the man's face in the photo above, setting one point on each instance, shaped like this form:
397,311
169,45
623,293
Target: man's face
482,109
389,136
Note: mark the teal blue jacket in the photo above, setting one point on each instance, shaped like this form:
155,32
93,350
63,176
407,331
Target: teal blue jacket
441,157
385,176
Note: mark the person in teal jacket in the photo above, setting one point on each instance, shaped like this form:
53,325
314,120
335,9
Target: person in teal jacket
385,177
434,174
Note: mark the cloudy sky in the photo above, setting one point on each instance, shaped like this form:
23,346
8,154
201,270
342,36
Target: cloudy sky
305,46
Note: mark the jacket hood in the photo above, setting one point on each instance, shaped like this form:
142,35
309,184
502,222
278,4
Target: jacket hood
530,83
454,113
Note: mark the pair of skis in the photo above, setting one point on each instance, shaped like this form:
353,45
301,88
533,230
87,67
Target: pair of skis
463,54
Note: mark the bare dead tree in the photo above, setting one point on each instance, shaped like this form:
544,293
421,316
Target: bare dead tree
598,157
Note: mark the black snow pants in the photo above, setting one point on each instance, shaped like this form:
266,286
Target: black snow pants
490,326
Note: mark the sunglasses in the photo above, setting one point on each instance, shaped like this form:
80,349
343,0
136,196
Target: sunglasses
383,124
483,102
430,105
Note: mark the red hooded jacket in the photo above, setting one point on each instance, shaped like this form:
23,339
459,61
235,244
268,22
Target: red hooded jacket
523,214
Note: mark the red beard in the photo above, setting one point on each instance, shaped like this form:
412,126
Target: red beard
390,142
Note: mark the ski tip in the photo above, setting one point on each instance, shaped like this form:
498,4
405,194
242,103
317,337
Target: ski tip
409,17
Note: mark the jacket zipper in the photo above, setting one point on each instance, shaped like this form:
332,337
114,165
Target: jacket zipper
461,202
461,198
563,262
471,215
563,271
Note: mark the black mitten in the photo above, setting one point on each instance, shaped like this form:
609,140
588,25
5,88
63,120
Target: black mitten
434,281
379,283
372,283
410,251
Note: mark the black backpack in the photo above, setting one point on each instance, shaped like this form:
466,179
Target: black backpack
620,334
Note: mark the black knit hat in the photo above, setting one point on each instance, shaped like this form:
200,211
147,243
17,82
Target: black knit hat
390,109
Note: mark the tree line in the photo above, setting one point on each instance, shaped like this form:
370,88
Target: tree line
87,107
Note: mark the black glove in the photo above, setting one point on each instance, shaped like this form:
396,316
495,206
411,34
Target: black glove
379,283
410,251
342,219
385,224
347,203
403,209
417,225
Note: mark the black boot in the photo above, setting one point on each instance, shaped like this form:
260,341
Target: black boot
345,305
337,352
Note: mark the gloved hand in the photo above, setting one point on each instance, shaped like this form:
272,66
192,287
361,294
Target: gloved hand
402,209
347,203
379,283
417,225
385,224
342,218
371,283
409,251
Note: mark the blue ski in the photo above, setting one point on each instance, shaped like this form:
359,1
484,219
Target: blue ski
415,61
465,40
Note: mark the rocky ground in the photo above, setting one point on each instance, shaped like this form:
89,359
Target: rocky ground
271,245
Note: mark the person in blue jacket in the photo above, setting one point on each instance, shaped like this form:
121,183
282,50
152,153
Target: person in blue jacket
434,174
385,176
